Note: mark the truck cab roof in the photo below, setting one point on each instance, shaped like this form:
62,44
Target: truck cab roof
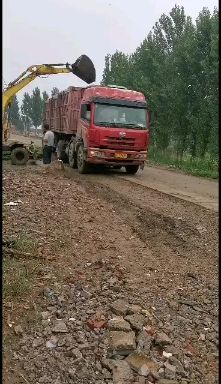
111,92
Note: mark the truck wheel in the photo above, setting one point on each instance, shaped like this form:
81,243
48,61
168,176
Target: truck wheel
132,169
61,151
81,163
72,157
19,156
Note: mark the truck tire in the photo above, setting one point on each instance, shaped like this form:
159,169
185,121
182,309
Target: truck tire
81,162
61,151
132,169
72,156
19,156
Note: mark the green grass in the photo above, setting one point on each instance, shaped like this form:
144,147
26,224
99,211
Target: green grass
37,151
18,273
16,281
197,167
24,243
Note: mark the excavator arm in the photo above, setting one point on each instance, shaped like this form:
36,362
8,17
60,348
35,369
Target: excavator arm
21,82
82,68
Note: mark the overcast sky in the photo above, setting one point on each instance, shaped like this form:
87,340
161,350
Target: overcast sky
51,31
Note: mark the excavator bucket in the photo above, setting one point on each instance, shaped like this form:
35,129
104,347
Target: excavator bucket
84,69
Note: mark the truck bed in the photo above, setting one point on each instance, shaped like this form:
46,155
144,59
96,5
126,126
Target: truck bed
62,110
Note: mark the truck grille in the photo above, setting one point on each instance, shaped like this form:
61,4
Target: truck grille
117,142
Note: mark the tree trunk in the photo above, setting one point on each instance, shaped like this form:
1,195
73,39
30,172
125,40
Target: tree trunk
193,145
204,147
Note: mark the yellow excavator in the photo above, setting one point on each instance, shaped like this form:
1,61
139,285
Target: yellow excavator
82,68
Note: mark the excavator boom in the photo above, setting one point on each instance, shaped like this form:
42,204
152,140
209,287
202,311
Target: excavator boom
21,82
82,68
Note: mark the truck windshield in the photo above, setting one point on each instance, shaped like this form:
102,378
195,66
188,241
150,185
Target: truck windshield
120,116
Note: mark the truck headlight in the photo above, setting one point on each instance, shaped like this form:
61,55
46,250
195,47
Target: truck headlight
141,156
98,154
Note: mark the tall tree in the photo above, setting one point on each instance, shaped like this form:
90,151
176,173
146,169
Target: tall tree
214,99
176,67
54,91
36,108
45,96
26,111
117,69
107,72
14,114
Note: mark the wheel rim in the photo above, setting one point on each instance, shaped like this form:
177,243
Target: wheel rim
80,157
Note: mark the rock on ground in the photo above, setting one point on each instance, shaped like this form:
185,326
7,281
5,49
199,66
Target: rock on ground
119,307
122,373
119,324
137,360
122,343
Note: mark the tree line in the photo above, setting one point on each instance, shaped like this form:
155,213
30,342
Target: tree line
176,67
31,110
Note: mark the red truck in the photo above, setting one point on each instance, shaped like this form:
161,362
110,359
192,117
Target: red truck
100,125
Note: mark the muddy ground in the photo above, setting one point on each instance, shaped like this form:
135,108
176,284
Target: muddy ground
168,180
83,242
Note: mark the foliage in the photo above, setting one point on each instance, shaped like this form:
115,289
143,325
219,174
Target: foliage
32,108
26,112
176,67
54,91
14,114
36,107
18,273
207,167
45,96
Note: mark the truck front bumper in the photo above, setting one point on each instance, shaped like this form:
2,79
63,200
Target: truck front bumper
115,157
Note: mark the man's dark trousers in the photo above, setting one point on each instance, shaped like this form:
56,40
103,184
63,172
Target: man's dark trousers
47,153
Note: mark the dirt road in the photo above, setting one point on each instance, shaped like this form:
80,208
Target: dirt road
197,190
200,191
106,237
194,189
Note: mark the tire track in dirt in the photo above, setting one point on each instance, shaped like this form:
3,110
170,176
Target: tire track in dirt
164,248
156,217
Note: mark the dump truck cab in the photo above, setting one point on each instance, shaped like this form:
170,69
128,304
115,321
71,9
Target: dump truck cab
100,125
114,126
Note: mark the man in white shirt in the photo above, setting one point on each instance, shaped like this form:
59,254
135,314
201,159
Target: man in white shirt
48,144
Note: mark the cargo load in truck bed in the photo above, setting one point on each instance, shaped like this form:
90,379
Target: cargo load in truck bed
62,110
